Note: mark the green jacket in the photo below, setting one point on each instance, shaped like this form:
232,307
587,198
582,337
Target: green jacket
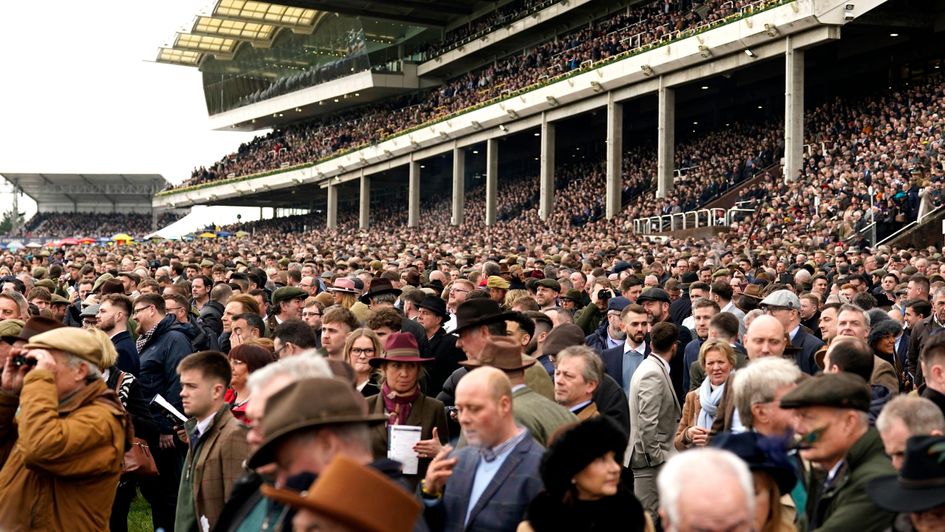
844,505
540,415
589,318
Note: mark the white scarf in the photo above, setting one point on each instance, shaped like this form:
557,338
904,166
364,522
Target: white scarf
709,399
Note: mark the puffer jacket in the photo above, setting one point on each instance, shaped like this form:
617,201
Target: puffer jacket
164,350
60,461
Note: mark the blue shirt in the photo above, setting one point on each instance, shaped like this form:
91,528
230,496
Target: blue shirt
485,471
631,361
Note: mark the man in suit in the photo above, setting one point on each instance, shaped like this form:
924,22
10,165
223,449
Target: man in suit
786,307
577,377
922,331
622,361
217,442
488,484
654,415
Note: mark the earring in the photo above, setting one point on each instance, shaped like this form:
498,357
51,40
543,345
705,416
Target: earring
573,481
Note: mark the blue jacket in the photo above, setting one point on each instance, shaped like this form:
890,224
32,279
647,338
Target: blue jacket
502,505
127,353
597,340
159,359
807,345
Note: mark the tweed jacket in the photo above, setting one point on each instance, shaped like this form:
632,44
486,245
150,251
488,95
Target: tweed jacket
217,466
690,414
426,413
654,416
502,505
539,415
588,412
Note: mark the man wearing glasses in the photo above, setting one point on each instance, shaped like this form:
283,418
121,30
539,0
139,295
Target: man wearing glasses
458,292
162,344
784,306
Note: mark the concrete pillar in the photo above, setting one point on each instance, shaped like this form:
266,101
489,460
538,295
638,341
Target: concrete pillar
614,156
413,195
793,109
364,215
546,192
459,184
666,140
492,180
332,209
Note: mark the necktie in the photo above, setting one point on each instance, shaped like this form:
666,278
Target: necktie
194,440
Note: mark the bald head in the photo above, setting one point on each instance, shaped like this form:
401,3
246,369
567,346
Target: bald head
765,338
484,401
494,383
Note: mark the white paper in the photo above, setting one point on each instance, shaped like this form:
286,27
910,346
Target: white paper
162,402
400,442
204,523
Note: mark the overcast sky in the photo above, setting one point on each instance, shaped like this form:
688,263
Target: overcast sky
81,93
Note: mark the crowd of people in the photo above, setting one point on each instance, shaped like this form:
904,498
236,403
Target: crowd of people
611,36
245,384
93,224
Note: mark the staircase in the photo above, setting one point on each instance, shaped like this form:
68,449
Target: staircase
926,232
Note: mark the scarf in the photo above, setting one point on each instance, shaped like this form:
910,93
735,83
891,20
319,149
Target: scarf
143,339
398,405
709,399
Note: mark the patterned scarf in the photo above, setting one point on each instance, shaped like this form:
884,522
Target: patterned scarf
398,405
143,339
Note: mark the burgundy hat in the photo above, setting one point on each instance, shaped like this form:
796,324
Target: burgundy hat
343,284
400,347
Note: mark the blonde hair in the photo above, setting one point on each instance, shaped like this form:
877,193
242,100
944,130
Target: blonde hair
716,344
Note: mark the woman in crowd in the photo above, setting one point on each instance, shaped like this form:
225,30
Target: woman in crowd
361,346
402,401
244,360
717,358
581,473
773,475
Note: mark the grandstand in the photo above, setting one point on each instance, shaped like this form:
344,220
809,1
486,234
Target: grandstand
90,205
579,114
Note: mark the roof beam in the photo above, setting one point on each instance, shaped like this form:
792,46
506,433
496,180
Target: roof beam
349,8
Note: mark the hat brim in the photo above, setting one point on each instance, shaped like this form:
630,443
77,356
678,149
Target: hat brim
379,361
366,298
485,320
470,364
343,290
444,315
265,454
298,500
890,495
641,299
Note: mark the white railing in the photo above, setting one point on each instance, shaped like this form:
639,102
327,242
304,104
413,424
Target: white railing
716,217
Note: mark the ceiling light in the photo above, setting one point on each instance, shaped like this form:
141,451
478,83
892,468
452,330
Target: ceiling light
893,34
749,53
705,87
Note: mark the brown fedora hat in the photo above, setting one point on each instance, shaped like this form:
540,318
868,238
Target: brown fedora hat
754,291
501,353
399,347
380,506
309,403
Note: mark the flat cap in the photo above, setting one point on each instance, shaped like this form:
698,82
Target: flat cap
837,390
782,298
11,327
653,294
286,293
550,283
207,263
131,275
572,295
721,272
59,300
90,311
617,303
495,281
72,340
48,284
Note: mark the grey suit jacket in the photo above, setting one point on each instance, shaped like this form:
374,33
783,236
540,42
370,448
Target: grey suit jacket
654,416
502,505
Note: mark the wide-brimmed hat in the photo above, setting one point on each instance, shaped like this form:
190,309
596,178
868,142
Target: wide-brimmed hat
753,291
381,505
501,353
309,403
399,347
435,305
920,485
32,327
761,454
343,284
479,311
379,286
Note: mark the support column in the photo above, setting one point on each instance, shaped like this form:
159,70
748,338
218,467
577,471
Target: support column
364,217
332,208
459,184
614,155
546,192
413,195
666,140
793,110
492,180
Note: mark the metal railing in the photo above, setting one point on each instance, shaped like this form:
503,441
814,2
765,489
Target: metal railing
911,225
716,217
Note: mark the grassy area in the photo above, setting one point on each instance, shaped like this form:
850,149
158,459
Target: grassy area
139,518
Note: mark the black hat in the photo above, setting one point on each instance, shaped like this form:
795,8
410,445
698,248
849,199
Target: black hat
435,305
379,286
883,329
577,447
838,390
653,294
620,266
479,311
920,485
761,454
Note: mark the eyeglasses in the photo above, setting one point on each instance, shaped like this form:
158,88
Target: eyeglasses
357,351
311,314
171,309
137,310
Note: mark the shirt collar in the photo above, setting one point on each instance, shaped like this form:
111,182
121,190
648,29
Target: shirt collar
577,408
204,424
489,454
639,349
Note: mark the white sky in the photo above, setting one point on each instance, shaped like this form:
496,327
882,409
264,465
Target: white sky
81,93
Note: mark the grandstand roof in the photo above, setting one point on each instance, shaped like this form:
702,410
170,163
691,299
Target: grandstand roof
88,189
422,12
